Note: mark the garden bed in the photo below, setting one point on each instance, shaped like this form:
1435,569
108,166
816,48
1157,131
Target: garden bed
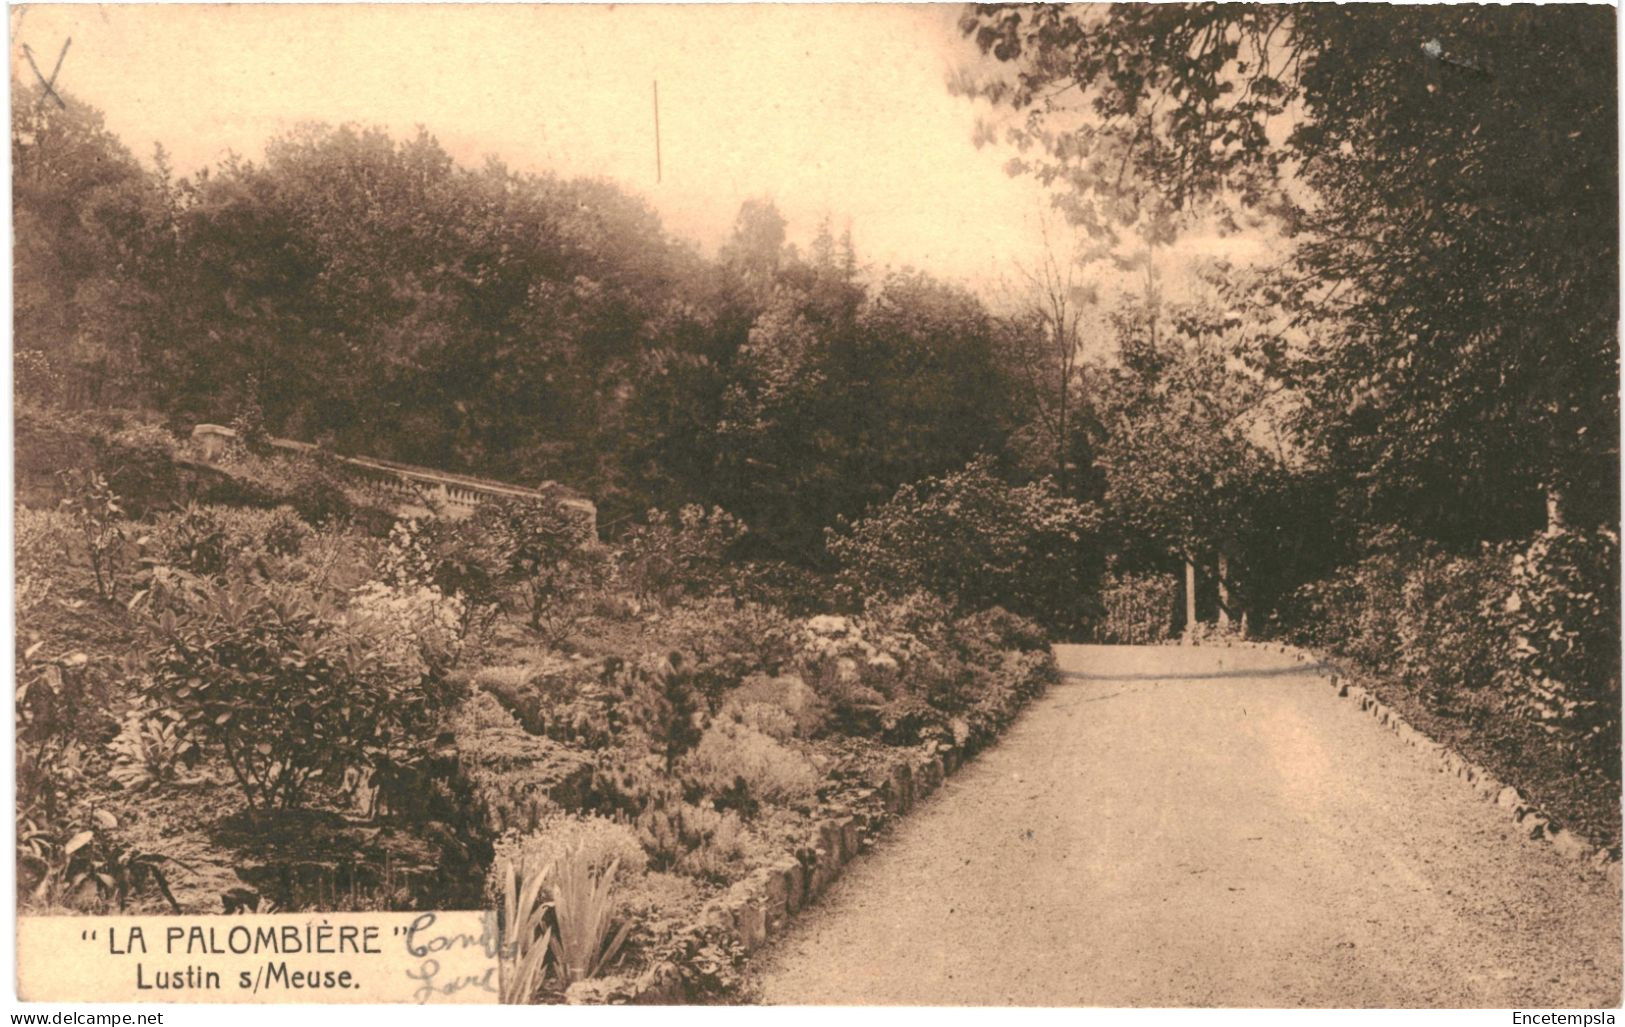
226,708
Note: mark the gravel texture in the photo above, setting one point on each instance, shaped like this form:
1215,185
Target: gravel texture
1203,827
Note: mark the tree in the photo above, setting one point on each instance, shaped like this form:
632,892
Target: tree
1046,342
1448,174
89,225
1184,432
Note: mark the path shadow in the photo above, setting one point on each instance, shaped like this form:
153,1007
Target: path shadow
1274,672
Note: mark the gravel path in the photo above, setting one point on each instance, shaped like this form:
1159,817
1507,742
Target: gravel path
1203,827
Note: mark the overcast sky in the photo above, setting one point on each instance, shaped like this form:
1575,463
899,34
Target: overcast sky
827,109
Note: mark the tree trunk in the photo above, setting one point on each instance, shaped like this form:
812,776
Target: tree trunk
1190,597
1224,591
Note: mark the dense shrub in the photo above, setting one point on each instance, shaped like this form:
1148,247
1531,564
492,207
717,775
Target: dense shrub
798,591
193,540
715,846
724,642
1563,612
1410,610
735,759
997,628
599,841
1540,626
657,702
285,690
668,557
1452,635
544,550
793,704
976,542
516,779
313,489
278,532
137,459
139,462
417,628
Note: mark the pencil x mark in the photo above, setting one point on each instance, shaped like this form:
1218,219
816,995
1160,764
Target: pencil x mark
49,83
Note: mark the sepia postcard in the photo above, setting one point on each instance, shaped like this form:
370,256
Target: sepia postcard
1018,505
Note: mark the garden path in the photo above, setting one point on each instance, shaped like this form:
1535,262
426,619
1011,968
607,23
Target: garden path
1203,827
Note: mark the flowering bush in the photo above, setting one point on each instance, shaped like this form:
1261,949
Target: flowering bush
408,558
414,628
976,542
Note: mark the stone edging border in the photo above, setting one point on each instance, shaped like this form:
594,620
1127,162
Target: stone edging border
762,905
1532,822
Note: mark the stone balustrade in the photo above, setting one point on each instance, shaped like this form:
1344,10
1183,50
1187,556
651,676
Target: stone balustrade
409,490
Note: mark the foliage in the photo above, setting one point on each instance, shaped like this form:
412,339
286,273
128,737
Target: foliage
584,909
737,760
975,542
89,221
526,934
1181,457
602,844
193,540
1420,328
35,377
544,548
149,750
420,628
656,699
1563,612
997,629
715,846
249,420
116,871
723,642
44,545
777,706
285,690
96,510
139,462
1429,618
665,557
64,865
315,491
56,714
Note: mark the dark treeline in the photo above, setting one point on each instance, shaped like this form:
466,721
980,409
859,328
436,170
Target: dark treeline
371,295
